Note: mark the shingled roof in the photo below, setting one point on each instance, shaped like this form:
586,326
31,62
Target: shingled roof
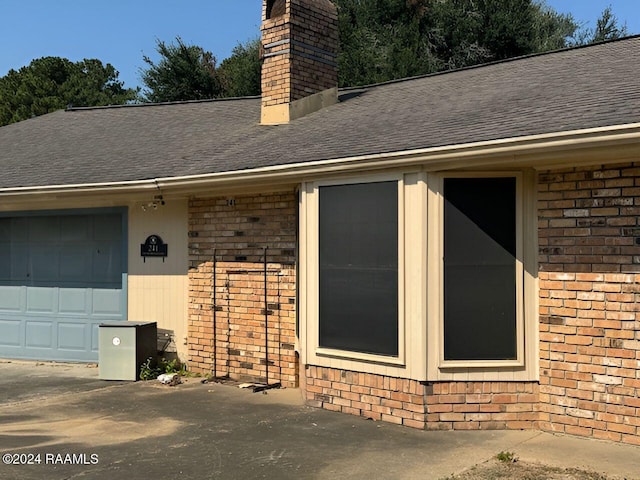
573,89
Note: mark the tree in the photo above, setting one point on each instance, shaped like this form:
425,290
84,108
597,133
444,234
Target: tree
506,27
184,72
387,39
607,27
382,40
240,73
552,30
52,83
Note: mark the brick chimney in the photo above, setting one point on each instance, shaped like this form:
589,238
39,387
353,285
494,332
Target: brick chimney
299,49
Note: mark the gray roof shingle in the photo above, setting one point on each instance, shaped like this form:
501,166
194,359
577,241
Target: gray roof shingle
573,89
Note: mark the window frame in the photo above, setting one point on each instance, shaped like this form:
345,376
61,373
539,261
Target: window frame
525,365
420,301
411,359
400,360
519,304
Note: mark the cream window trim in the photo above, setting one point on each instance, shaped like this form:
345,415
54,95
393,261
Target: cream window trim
420,273
410,362
525,366
361,357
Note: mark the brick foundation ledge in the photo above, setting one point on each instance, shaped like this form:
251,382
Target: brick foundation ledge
430,406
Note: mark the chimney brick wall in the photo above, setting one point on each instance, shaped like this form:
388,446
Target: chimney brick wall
299,51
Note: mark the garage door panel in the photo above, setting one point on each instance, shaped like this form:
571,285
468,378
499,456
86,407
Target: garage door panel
106,259
6,230
14,229
45,227
19,264
44,264
108,229
11,299
107,302
42,300
39,334
72,336
10,332
74,301
75,263
14,267
61,275
5,261
75,229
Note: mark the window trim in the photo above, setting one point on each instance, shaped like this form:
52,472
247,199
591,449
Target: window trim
519,360
347,354
411,359
420,300
525,366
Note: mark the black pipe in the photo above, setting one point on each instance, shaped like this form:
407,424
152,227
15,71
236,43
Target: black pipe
266,322
215,319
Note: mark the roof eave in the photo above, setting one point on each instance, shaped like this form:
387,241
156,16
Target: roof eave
618,143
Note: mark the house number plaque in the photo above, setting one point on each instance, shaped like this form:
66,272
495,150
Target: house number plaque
153,246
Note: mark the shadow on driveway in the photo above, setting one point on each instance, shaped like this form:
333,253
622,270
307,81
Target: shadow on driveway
106,430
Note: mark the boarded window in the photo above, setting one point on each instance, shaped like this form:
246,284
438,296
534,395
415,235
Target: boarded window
358,255
480,269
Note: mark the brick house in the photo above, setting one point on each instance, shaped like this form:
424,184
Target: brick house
454,251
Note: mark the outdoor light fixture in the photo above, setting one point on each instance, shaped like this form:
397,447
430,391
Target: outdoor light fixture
154,204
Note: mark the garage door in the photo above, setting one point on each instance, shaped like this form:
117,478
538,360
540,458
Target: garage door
61,275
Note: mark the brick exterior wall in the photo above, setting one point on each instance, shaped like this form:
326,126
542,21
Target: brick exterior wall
589,240
302,68
236,231
589,278
439,406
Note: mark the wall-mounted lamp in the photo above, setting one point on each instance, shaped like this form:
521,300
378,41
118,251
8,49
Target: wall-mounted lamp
153,205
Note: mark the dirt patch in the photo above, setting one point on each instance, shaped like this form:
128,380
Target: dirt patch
497,470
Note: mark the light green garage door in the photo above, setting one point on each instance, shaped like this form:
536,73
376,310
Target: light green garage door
61,275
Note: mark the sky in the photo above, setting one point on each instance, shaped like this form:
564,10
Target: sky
120,32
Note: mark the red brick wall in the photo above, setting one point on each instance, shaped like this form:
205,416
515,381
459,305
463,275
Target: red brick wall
439,406
483,406
589,240
377,397
236,230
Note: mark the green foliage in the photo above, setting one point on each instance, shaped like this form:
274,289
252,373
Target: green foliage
151,368
608,28
384,39
387,39
506,27
184,72
381,40
52,83
173,366
506,457
552,30
240,73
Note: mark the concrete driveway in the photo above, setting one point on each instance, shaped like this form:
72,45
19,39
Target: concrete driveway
72,425
30,381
